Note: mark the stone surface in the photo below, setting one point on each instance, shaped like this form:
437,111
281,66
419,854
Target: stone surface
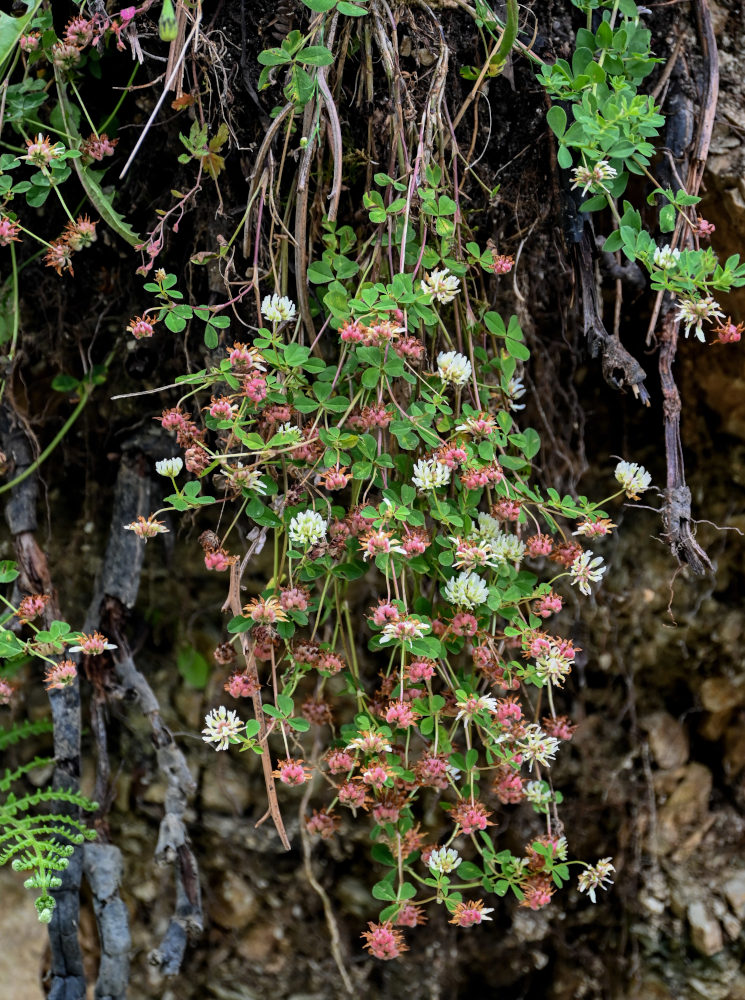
668,740
234,904
688,804
706,934
719,694
734,892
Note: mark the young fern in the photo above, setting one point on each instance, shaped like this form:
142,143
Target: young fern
31,838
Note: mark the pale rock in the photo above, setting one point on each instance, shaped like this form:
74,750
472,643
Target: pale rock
719,694
688,804
734,893
234,904
706,934
668,740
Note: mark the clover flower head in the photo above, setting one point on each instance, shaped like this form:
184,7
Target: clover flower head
634,478
169,467
471,912
429,474
537,746
292,430
473,704
307,528
515,390
586,570
444,861
538,793
453,367
591,178
146,527
467,590
666,258
405,630
695,311
277,308
443,285
222,727
595,877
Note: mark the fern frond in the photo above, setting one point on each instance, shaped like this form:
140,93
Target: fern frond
22,731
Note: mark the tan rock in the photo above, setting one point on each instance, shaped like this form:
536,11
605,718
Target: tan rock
668,740
687,804
719,694
734,892
234,904
706,934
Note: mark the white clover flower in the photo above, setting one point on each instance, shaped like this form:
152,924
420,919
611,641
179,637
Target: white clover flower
586,570
536,745
222,727
592,177
508,548
666,258
453,367
596,877
444,861
442,284
429,474
292,430
467,590
489,528
696,311
169,467
634,478
515,390
277,308
538,793
307,528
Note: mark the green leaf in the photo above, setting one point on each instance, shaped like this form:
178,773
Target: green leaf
315,55
384,890
320,6
350,9
557,120
667,218
65,383
193,667
273,57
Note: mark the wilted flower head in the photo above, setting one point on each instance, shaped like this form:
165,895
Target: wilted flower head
60,675
384,941
453,367
277,308
92,645
471,912
146,527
